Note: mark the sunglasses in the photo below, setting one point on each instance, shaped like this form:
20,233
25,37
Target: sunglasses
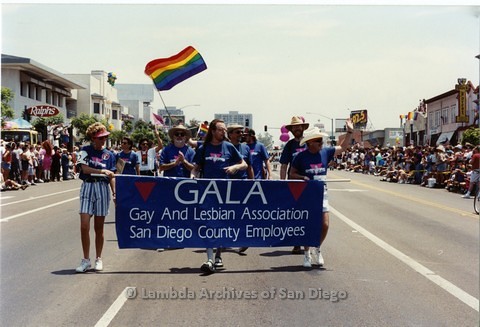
318,141
179,134
144,143
124,142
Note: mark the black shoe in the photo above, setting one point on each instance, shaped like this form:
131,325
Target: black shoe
297,250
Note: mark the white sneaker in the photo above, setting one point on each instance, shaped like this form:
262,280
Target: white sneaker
466,196
84,266
218,262
98,264
307,259
320,260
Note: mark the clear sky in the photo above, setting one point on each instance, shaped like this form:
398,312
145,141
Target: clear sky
272,60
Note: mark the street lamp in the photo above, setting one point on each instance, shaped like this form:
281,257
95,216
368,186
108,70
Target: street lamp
332,137
189,105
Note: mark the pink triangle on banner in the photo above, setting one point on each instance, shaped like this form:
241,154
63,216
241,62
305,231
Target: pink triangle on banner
145,188
296,188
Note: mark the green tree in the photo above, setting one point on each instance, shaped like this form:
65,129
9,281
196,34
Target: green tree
82,122
471,135
117,136
266,139
127,126
7,111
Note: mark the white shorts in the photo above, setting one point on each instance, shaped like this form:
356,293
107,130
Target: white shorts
326,208
475,176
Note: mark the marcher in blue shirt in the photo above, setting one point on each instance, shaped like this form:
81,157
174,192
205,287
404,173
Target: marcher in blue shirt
260,157
235,134
314,162
297,126
216,158
176,159
94,192
128,158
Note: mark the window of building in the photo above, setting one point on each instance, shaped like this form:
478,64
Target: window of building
437,121
48,97
31,91
22,89
96,108
445,116
453,113
114,114
38,95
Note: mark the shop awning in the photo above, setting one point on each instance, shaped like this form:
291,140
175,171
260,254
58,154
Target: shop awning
444,137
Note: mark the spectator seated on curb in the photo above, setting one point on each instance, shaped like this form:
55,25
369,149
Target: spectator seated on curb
456,182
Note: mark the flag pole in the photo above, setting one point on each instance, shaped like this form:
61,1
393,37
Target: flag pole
165,106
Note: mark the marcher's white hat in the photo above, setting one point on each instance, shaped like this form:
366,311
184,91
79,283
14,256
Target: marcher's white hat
312,134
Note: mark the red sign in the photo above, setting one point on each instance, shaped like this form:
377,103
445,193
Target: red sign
43,111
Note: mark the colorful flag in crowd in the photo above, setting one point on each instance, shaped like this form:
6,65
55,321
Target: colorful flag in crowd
202,130
157,119
402,116
415,115
168,72
410,115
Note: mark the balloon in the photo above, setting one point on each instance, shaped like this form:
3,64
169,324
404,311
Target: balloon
284,130
284,137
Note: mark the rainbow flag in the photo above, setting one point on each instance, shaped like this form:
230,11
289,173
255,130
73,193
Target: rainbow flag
410,115
168,72
202,130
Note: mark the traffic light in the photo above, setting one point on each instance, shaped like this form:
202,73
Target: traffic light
265,128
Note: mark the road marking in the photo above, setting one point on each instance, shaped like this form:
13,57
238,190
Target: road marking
346,190
418,200
38,209
427,273
114,308
37,197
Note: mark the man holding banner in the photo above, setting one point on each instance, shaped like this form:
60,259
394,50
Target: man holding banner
297,126
312,164
176,159
216,158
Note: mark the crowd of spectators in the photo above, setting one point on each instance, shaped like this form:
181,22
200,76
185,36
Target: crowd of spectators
24,164
443,166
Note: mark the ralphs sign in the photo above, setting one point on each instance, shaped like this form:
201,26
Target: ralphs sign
43,111
160,212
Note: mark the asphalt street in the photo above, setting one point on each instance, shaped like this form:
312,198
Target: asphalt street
395,255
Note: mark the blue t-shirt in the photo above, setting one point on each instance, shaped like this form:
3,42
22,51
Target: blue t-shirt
309,164
99,159
259,154
213,159
290,151
170,154
131,162
244,151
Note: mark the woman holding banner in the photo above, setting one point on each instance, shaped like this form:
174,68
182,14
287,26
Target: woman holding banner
311,164
98,173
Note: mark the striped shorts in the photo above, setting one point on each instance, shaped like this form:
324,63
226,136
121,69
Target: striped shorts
95,198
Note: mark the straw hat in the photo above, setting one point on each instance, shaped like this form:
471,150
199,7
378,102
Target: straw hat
312,134
233,127
296,121
179,128
440,148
